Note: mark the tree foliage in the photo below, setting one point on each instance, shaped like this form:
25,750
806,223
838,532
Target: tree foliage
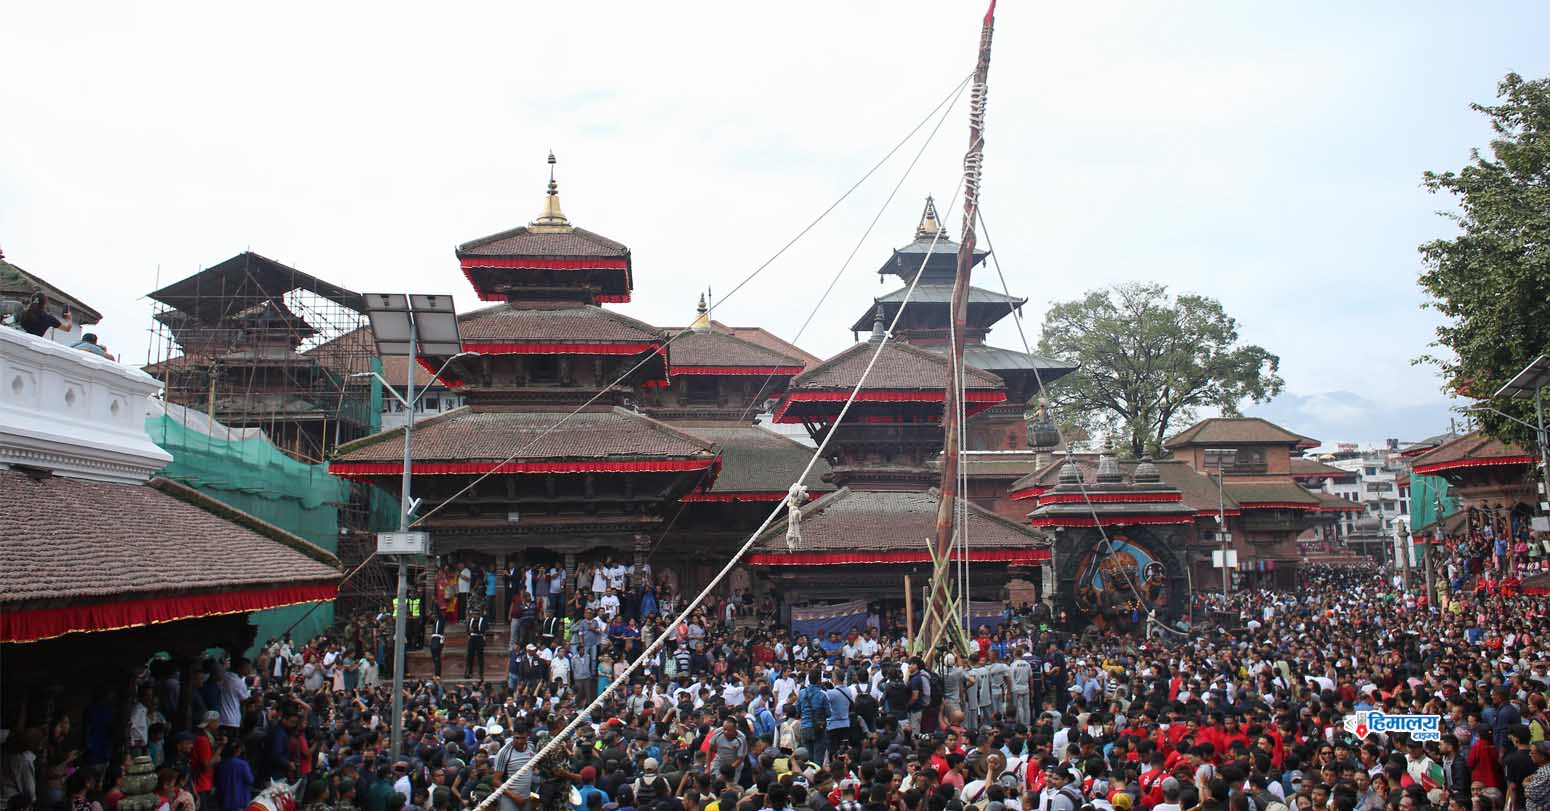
1492,281
1149,362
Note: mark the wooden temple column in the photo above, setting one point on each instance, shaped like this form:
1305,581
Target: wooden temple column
503,600
184,718
641,545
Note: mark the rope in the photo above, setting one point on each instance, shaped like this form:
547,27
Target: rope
951,100
709,314
688,610
1017,319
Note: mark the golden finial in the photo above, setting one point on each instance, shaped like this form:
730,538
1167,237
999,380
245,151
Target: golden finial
702,317
552,217
929,225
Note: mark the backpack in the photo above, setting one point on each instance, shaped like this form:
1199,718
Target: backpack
938,688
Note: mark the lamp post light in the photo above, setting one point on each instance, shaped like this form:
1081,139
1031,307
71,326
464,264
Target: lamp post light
408,325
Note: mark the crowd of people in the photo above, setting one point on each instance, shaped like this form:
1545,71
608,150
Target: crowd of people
1248,711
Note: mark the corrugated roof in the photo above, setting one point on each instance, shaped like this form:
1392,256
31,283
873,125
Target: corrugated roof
73,539
226,288
1303,466
1237,431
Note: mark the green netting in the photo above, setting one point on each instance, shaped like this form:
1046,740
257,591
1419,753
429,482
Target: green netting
1425,491
249,473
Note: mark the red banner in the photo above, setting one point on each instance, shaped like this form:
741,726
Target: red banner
354,470
545,264
1028,493
559,348
922,556
46,623
1437,467
736,370
1109,498
1110,520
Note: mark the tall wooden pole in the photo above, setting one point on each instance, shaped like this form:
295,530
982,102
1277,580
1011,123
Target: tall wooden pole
941,581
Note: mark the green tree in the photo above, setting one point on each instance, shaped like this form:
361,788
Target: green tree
1150,361
1492,281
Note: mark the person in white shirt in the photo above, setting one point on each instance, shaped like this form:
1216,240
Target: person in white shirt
617,575
608,606
234,691
600,579
559,668
784,687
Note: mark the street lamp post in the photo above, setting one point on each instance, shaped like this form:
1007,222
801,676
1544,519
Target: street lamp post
1531,383
1221,459
408,325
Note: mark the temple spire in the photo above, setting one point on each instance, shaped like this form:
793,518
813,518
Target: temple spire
702,317
552,217
929,226
878,330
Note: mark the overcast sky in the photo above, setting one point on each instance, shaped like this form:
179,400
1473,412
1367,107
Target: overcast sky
1270,157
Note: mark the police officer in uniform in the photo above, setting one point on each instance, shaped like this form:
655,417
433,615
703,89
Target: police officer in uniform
477,626
416,625
438,639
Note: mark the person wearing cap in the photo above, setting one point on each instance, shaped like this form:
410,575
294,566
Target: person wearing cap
205,756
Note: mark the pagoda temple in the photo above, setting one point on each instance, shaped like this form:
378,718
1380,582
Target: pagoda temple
662,463
864,538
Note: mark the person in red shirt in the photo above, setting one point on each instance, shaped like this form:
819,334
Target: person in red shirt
1484,764
206,755
1231,734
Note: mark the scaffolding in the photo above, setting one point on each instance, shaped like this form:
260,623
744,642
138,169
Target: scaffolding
263,348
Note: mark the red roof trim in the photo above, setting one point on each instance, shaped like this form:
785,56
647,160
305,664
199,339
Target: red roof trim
446,380
544,264
46,623
737,370
986,399
850,558
700,497
1110,520
561,348
1109,498
1275,505
357,470
1027,493
1437,467
615,298
1214,513
1353,508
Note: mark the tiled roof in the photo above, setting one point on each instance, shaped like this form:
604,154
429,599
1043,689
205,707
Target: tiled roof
1472,447
19,284
761,337
1270,492
562,322
1237,431
1303,466
713,348
758,460
853,520
222,289
900,366
73,539
529,242
465,435
1199,490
